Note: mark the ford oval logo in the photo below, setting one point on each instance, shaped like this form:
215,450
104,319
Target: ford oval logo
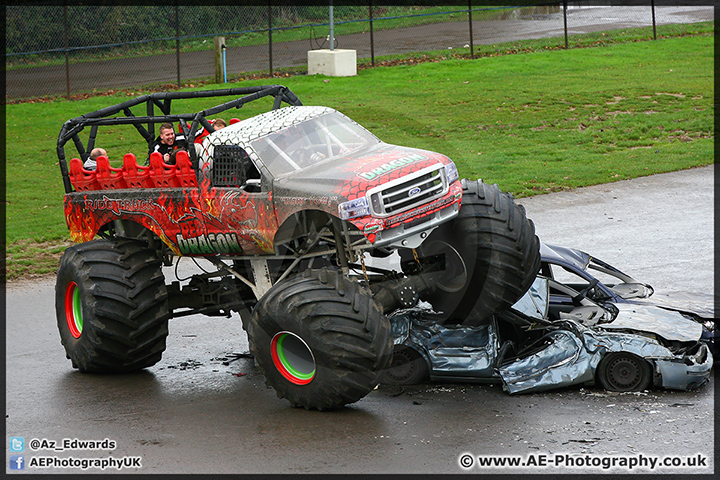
414,191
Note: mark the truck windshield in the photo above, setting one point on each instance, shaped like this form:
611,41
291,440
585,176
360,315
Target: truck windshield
307,143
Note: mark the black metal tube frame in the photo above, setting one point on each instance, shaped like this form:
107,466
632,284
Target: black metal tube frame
163,101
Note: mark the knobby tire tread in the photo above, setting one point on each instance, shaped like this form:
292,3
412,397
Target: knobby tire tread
339,321
124,301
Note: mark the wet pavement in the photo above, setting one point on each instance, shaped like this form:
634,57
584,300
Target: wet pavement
205,410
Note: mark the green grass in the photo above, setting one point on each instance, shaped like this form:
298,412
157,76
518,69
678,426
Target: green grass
532,123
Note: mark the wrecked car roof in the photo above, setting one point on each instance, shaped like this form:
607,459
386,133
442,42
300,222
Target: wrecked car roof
555,253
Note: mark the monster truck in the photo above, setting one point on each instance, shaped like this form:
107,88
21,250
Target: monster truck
282,207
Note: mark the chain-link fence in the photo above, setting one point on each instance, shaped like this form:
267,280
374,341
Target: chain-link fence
64,50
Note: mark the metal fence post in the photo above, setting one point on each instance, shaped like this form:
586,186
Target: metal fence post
372,36
565,22
67,53
332,24
177,41
270,36
472,52
652,5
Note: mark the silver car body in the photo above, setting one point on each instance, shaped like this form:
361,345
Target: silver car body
568,354
606,283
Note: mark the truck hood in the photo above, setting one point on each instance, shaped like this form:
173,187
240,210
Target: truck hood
349,177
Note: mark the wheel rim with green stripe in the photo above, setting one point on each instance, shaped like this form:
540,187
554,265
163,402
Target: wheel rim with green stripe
293,358
73,310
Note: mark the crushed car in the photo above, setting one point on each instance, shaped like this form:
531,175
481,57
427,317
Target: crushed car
602,282
533,347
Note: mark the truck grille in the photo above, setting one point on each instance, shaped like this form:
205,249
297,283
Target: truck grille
409,191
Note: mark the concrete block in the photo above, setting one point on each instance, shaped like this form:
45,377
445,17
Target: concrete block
334,63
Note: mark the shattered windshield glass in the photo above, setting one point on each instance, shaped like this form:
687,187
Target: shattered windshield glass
535,301
315,140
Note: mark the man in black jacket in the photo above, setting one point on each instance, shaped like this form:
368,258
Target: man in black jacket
168,142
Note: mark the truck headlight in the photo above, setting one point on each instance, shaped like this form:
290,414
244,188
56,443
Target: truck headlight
354,208
451,172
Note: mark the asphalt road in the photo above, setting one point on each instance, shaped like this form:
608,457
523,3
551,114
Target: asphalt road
202,411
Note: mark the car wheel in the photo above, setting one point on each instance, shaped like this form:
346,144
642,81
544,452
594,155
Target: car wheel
407,367
624,372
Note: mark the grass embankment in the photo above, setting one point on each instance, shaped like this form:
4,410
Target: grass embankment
532,123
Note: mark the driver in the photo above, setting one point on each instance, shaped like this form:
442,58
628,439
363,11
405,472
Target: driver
168,142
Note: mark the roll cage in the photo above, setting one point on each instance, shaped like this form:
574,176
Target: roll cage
145,124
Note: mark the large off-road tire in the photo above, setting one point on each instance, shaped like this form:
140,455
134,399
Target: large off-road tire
111,306
491,256
320,340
